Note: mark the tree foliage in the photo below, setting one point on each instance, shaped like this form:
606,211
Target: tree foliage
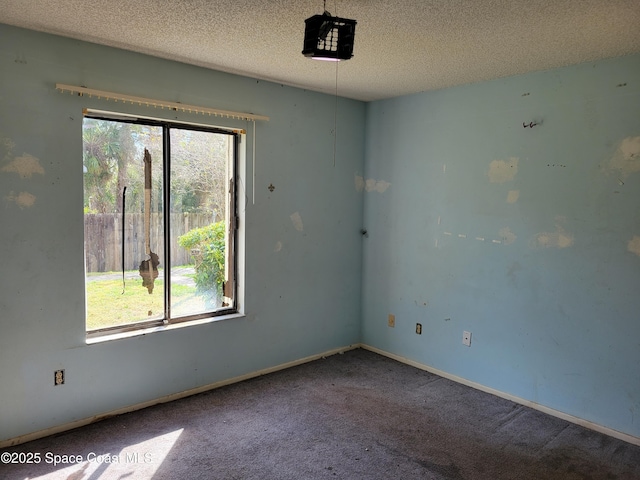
207,245
101,157
198,186
112,159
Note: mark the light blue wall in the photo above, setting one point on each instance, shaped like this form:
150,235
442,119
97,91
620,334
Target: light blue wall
554,308
301,299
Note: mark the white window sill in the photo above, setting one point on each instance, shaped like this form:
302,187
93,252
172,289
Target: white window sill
107,337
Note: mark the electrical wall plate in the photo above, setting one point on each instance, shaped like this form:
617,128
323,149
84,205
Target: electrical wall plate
466,338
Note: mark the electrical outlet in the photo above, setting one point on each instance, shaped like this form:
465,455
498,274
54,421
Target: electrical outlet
58,377
466,338
392,320
419,328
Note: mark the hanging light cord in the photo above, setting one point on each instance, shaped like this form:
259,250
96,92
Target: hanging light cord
335,120
335,110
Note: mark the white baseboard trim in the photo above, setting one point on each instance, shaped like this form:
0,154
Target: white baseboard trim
528,403
168,398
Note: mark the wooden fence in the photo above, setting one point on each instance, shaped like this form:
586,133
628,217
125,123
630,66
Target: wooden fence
103,239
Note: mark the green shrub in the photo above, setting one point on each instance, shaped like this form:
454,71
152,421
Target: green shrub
207,246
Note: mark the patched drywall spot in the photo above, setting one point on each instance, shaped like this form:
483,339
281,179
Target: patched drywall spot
634,245
278,246
512,272
373,185
6,148
23,199
501,171
564,240
512,196
381,186
296,220
558,239
25,166
626,159
508,237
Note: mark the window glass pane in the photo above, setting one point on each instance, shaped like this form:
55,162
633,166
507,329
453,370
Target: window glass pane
114,158
199,220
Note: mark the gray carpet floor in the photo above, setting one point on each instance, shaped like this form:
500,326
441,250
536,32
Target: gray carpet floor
352,416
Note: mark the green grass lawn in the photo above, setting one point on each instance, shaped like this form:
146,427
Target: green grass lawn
108,306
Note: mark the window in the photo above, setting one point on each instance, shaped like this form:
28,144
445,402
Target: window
159,222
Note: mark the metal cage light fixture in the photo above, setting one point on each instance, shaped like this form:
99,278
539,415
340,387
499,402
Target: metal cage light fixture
328,38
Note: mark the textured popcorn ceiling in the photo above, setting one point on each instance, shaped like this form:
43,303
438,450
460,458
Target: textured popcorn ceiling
401,46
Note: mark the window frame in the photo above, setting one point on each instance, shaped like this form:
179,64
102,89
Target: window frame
232,232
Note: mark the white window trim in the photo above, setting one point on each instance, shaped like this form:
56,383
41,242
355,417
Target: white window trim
146,327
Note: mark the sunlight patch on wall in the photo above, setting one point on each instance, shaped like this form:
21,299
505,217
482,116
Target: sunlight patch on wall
278,246
359,183
25,166
501,171
23,199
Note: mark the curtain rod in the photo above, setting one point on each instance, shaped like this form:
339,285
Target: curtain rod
149,102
